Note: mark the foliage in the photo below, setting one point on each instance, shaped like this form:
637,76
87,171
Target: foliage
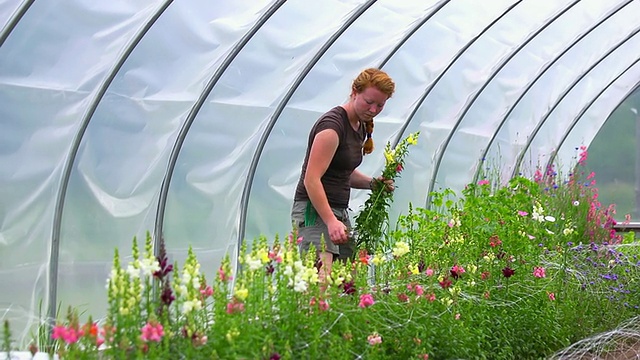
514,271
6,338
374,215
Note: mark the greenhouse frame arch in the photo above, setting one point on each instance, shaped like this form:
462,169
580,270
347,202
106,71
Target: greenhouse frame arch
189,119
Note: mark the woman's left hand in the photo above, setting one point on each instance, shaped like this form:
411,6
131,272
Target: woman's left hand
389,183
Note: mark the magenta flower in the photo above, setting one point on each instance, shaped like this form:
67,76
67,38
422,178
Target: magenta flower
59,332
552,296
483,182
152,331
522,213
457,271
69,334
366,300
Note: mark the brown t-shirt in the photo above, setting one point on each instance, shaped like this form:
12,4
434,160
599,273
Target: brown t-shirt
348,156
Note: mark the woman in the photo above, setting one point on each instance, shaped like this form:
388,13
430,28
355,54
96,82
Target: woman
337,143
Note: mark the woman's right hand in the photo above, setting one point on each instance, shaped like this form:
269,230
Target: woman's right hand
337,232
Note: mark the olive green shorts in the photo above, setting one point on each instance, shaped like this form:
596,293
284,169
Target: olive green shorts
314,231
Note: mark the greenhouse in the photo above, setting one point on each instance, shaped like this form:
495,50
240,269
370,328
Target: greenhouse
182,127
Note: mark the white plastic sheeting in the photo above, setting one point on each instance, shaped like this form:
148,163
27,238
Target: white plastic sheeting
189,118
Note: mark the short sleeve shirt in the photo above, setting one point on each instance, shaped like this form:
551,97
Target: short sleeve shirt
347,158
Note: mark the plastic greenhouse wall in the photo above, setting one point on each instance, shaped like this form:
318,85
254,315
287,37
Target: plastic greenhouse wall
189,118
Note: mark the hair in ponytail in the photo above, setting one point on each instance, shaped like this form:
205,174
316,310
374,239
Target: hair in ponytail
382,81
367,148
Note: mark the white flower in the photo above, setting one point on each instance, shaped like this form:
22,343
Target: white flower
149,266
537,217
550,218
186,278
400,248
288,270
254,264
133,271
576,203
300,286
191,305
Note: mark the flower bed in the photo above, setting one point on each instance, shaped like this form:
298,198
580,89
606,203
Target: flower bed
514,271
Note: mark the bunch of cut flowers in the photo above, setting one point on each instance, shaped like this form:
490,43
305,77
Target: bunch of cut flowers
371,220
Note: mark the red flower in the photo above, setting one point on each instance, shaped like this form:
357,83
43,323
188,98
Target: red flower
399,168
508,272
348,288
445,283
364,257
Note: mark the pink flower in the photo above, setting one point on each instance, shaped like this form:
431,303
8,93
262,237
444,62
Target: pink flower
402,297
298,240
223,276
69,334
366,300
152,331
539,272
59,332
537,177
399,168
72,336
207,291
522,213
456,271
458,316
552,296
323,305
483,182
429,272
432,297
374,339
419,290
275,256
234,307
